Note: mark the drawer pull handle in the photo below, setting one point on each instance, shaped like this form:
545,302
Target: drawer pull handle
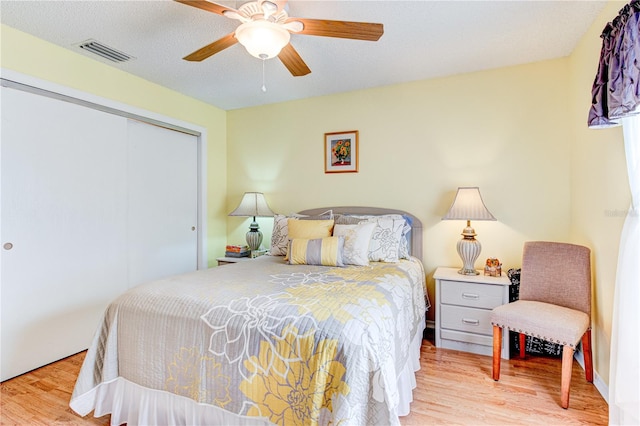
470,296
470,321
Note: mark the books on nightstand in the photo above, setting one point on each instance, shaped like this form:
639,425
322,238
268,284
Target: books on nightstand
237,251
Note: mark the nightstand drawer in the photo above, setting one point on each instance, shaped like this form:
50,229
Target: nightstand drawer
486,342
471,294
466,319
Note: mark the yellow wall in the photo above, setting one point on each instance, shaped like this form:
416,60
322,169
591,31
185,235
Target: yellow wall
31,56
600,195
503,130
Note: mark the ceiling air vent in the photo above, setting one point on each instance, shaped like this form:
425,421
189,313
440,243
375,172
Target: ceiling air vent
106,52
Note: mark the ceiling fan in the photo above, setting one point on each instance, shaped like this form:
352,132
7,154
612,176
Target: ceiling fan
266,28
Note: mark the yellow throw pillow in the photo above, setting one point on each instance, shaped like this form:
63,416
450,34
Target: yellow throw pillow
320,251
308,229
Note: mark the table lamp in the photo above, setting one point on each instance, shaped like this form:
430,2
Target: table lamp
253,204
468,205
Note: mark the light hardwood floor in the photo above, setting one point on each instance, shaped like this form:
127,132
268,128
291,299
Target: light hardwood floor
452,388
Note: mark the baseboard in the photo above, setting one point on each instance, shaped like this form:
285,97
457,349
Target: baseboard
599,384
602,387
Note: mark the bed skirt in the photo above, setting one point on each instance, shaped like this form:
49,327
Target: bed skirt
133,404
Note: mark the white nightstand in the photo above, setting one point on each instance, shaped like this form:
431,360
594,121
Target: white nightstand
229,260
463,307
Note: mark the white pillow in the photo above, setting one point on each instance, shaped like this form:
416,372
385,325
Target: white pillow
356,242
385,240
403,251
403,248
279,236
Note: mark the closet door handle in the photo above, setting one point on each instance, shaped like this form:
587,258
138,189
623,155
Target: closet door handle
8,246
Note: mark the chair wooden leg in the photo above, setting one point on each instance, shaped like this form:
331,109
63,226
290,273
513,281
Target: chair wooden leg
588,358
523,342
565,384
497,349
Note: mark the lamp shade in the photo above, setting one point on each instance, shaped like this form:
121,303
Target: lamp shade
253,204
468,205
262,39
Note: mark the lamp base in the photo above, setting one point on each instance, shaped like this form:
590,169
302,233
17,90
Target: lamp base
254,236
468,272
469,249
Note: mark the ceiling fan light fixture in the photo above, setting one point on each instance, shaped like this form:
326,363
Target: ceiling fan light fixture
262,39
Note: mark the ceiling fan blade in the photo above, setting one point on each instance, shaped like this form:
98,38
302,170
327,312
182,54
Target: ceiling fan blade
293,26
341,29
292,60
211,49
208,6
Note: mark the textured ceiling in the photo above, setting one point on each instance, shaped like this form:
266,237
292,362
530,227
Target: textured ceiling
422,39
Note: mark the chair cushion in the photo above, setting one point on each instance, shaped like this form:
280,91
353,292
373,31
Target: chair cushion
553,323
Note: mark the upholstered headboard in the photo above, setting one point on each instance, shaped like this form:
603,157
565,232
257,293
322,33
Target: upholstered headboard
415,243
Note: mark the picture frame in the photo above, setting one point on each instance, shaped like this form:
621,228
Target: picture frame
341,152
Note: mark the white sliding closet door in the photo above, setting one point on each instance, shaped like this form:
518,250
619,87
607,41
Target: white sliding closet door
92,204
163,202
63,248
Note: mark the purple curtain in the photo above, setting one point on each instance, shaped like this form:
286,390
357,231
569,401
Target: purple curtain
616,89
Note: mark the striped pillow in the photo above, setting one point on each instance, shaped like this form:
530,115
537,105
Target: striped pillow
320,251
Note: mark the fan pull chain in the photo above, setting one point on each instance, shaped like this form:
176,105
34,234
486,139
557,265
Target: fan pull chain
264,85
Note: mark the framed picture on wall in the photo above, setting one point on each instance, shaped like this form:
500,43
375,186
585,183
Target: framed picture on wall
341,152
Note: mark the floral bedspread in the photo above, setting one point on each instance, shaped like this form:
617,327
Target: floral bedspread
291,344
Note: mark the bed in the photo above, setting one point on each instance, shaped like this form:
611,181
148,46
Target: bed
315,336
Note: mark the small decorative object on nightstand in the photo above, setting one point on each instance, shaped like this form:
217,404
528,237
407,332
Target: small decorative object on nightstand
493,267
258,253
463,307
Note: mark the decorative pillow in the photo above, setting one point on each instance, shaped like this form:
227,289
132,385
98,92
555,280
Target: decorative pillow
328,215
280,235
385,240
344,219
403,250
320,251
356,242
309,229
403,246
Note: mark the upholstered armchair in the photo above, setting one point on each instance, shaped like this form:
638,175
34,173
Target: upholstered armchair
554,305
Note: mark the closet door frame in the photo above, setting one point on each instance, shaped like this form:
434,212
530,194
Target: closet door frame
35,85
